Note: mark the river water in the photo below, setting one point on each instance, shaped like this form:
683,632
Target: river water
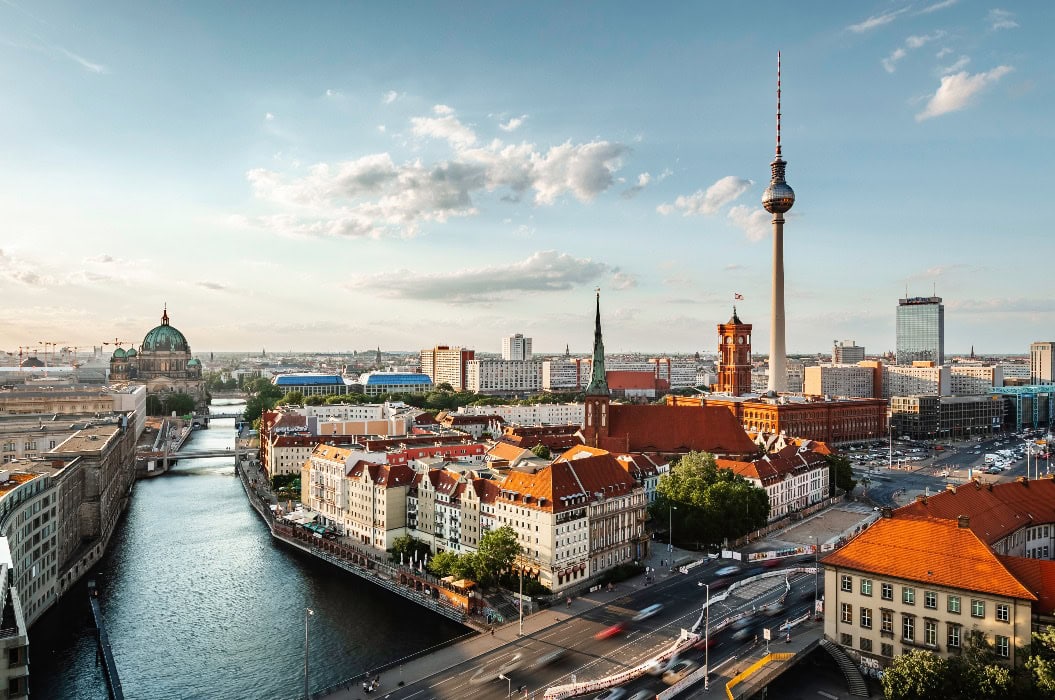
200,602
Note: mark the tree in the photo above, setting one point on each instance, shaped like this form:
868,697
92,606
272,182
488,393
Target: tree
541,451
154,406
442,563
917,675
178,403
708,504
445,386
407,546
291,397
840,473
497,551
1041,662
316,400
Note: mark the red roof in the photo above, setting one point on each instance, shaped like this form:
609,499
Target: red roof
629,379
675,430
930,551
567,485
775,467
1038,575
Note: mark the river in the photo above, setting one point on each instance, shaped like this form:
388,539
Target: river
200,602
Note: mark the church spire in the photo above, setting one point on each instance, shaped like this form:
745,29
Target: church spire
165,315
598,382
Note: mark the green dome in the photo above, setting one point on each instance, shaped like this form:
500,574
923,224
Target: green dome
131,352
193,362
119,353
164,338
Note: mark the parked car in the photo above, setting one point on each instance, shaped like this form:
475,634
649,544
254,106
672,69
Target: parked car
648,612
678,671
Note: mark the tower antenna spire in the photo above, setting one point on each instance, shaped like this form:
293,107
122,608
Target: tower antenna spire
778,104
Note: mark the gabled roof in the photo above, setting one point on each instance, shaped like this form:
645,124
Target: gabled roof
486,489
568,485
330,452
676,429
995,510
931,551
776,466
1037,575
508,452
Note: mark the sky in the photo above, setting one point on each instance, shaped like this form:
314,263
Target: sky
349,175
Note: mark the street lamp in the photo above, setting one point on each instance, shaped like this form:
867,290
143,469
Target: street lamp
707,639
308,612
670,533
816,571
509,683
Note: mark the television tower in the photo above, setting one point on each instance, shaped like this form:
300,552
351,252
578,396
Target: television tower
777,199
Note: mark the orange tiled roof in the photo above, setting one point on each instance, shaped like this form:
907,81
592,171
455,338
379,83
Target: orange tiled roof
580,451
929,550
630,379
675,429
995,510
561,482
1038,575
775,466
506,451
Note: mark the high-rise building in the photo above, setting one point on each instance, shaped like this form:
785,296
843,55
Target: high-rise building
516,347
920,330
777,200
734,349
445,364
1042,362
847,352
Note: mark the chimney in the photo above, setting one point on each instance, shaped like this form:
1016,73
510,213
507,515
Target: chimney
886,512
1024,480
921,499
950,487
963,521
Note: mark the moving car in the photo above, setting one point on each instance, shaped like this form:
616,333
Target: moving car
648,612
611,694
643,695
727,570
678,671
609,632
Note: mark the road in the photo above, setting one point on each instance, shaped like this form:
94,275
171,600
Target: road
530,668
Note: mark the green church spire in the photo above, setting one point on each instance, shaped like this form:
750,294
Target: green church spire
598,383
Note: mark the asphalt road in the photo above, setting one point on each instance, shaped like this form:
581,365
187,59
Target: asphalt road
528,662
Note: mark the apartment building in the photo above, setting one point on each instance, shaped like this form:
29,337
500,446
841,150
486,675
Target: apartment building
534,414
376,512
793,478
503,376
842,380
919,379
974,380
446,364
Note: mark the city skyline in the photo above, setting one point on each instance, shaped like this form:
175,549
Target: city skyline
355,176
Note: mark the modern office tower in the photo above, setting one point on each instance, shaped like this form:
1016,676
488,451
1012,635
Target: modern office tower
516,347
1042,362
920,330
847,352
445,364
734,349
777,200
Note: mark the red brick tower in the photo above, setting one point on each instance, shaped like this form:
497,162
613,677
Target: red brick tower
734,350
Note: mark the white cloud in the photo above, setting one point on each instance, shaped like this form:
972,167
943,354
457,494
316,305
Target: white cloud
84,63
890,62
876,21
544,271
1001,19
513,124
943,53
381,128
623,280
917,41
333,93
753,222
390,97
212,286
373,196
726,190
643,179
445,126
268,116
23,272
936,6
956,67
956,91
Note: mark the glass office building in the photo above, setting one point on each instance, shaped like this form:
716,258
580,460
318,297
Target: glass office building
920,330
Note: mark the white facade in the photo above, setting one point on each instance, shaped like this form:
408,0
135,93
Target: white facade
565,374
1014,370
503,376
1042,363
968,380
902,380
679,371
535,414
847,352
516,347
839,380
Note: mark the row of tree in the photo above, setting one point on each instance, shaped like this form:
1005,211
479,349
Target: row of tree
165,404
495,555
975,674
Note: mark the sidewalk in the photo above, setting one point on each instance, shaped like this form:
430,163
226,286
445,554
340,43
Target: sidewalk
422,666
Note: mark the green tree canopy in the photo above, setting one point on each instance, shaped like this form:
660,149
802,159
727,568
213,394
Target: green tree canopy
497,551
975,674
1041,662
443,563
840,474
917,675
291,397
541,451
706,504
179,403
315,400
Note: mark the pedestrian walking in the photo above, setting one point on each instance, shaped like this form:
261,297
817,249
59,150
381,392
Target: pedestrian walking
492,631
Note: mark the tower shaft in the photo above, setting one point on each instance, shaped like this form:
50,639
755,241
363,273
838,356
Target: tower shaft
778,363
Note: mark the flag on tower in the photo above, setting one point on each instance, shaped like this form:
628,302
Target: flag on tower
738,297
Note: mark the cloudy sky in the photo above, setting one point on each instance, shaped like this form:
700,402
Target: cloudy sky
346,175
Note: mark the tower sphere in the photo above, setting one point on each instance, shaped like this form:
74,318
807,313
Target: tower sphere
778,197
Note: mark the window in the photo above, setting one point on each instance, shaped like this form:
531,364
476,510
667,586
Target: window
888,621
847,583
954,604
866,644
908,595
1003,613
930,600
847,640
847,613
930,633
888,591
866,618
908,628
866,586
886,650
953,639
1003,646
977,608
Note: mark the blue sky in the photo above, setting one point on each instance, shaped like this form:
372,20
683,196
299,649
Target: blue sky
348,175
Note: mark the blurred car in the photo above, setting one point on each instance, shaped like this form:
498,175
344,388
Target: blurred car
678,671
742,634
705,643
611,694
549,657
772,563
648,612
643,695
658,667
609,632
720,583
727,570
